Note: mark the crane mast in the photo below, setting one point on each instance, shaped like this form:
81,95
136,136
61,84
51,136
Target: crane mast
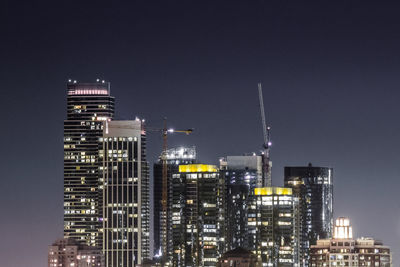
266,163
164,200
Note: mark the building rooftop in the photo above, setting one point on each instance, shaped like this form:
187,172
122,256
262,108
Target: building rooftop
267,191
198,168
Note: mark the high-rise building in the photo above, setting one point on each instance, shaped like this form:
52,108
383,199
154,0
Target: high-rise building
273,230
198,207
314,188
125,192
242,175
88,105
69,253
344,250
175,157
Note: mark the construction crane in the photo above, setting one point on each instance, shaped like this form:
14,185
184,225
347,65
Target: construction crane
267,181
164,201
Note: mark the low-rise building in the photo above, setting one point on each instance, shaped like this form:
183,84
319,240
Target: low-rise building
68,253
343,250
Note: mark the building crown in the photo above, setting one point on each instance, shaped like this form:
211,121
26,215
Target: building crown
343,229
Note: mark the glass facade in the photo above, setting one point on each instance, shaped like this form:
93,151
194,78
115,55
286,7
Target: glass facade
198,206
175,157
88,105
272,226
314,188
242,175
121,153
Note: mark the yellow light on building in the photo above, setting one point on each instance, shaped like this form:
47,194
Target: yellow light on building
283,191
198,168
267,191
263,191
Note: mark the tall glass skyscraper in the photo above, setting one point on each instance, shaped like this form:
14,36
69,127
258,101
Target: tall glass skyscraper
88,105
273,230
125,188
197,216
314,188
242,175
175,157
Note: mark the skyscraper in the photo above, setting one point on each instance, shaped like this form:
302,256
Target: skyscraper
88,105
242,175
273,230
125,189
314,188
344,250
175,157
197,215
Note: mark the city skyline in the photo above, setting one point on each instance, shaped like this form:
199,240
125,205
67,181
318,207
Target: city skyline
329,76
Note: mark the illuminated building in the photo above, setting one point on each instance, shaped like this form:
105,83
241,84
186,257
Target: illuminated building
343,250
242,175
238,257
175,157
314,188
88,105
273,230
198,207
68,253
124,172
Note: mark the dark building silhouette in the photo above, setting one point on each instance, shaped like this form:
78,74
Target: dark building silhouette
238,257
314,188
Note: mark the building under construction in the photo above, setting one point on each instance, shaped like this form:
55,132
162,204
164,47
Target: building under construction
242,175
174,158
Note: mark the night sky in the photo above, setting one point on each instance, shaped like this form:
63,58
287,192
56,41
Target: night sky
330,73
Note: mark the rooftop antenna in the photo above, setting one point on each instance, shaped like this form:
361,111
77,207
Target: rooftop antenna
266,181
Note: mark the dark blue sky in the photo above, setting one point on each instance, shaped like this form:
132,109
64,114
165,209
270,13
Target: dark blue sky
330,72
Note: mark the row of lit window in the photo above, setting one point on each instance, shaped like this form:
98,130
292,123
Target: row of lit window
105,139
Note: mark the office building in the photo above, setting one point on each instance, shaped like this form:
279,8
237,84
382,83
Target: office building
273,229
238,257
88,105
67,252
314,188
198,207
344,250
122,153
175,157
242,175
